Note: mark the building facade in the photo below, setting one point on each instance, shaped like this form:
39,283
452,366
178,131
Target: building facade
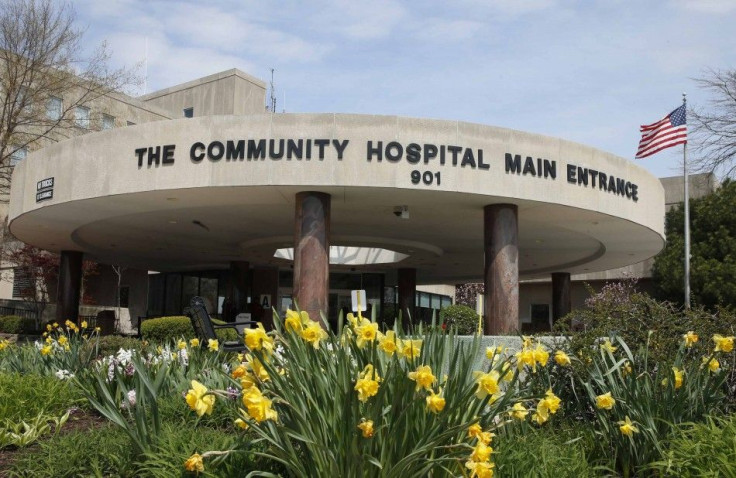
254,210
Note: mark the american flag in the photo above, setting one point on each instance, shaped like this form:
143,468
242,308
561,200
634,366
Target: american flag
669,131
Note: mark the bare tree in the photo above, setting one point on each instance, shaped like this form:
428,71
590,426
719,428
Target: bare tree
714,128
46,82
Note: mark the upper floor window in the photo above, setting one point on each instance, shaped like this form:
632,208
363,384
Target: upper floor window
108,122
81,116
189,112
54,108
18,155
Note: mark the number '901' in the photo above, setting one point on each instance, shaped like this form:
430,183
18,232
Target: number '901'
426,177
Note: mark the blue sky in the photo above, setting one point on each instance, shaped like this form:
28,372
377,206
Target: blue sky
589,71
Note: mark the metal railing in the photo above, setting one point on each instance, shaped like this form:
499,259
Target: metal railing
25,313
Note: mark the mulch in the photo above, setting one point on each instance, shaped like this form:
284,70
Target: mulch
78,420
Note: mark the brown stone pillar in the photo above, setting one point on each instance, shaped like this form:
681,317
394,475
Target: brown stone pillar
237,290
561,303
312,253
265,287
501,275
407,282
70,286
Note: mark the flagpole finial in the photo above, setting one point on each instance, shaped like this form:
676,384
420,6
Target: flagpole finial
684,97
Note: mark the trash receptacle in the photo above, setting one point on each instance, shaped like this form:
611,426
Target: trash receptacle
106,322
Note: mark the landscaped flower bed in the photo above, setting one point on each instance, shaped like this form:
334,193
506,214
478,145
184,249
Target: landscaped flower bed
362,402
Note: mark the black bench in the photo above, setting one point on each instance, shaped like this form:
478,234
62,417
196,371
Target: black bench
205,329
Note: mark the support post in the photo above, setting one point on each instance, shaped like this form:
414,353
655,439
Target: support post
561,303
501,274
312,253
407,282
70,286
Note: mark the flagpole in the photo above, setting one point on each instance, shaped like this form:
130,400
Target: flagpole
687,216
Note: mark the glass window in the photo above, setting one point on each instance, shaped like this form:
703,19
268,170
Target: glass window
81,116
18,155
124,296
173,294
424,299
54,108
189,112
108,122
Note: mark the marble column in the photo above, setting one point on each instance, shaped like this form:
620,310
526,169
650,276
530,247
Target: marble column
561,303
312,253
69,287
407,283
501,274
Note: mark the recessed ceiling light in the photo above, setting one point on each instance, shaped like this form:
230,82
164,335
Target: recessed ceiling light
172,199
172,222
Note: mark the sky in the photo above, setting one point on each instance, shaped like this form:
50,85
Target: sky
589,71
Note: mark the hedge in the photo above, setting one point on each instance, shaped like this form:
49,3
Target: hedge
13,324
164,329
462,317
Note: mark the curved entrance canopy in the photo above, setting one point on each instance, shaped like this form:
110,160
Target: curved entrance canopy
200,193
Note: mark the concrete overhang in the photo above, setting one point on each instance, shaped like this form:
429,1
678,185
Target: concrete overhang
192,213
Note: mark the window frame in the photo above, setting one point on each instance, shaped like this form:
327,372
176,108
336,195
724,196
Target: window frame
81,121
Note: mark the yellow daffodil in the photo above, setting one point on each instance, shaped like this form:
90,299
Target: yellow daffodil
84,324
97,329
435,403
712,364
627,427
181,345
313,333
259,407
49,340
295,321
194,463
526,341
4,344
519,411
482,469
423,377
56,325
387,342
678,377
475,430
213,345
256,367
198,399
194,343
723,344
367,383
550,403
539,417
487,383
49,328
239,371
366,427
486,437
626,369
608,346
605,401
526,357
690,338
240,423
493,352
410,349
62,340
258,339
366,333
481,452
562,358
46,350
541,356
247,381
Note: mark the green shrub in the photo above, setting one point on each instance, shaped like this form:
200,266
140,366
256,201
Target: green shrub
460,316
165,329
12,324
23,397
550,452
703,449
91,452
110,344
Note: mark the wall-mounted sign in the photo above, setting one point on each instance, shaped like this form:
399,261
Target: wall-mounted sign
44,189
358,300
265,301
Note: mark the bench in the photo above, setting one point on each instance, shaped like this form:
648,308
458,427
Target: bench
205,329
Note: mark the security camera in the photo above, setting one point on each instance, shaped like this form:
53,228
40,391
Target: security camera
402,212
